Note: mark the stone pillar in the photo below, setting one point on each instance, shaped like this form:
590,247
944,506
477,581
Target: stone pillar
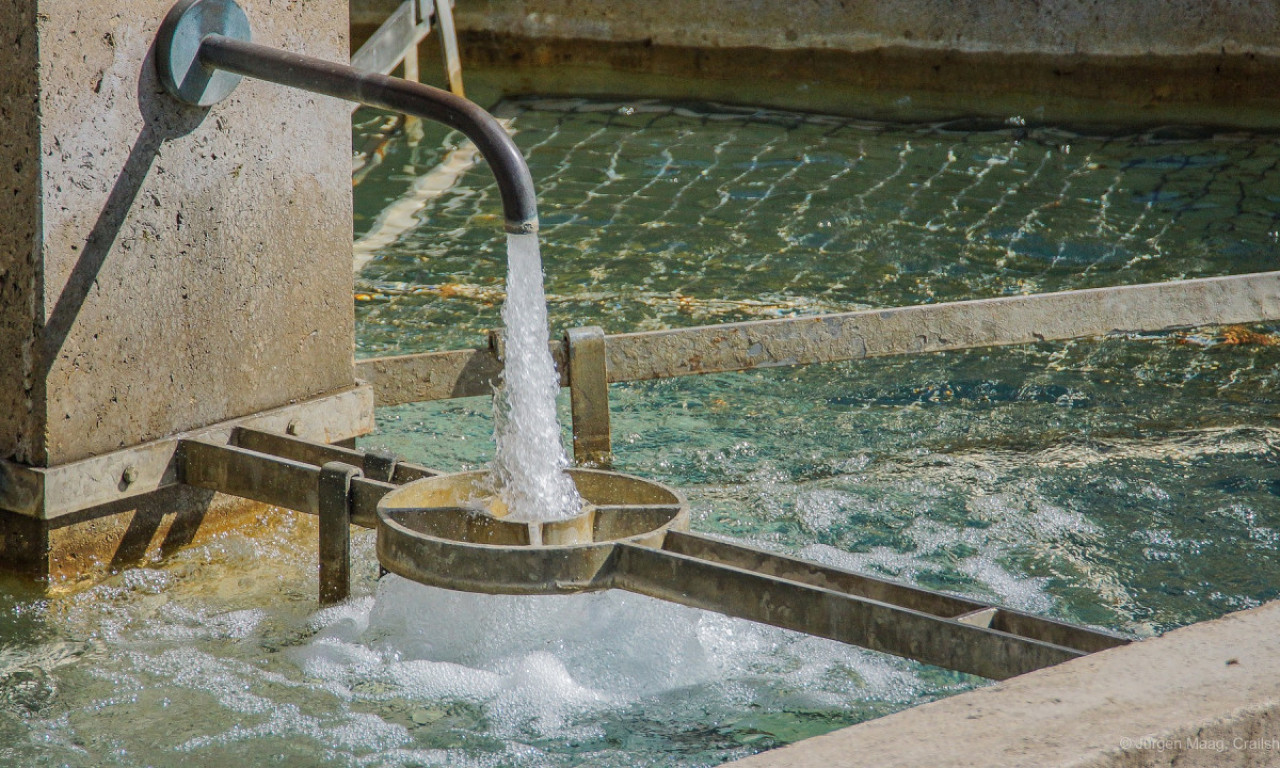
163,268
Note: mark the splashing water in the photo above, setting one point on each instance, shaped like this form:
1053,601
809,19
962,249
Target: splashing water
530,461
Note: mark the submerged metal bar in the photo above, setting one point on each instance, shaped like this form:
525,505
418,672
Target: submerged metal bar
872,624
857,335
942,605
334,493
515,184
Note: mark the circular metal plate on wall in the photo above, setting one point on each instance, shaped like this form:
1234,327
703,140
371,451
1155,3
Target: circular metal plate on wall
178,48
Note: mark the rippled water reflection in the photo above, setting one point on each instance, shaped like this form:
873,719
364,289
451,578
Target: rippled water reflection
1129,482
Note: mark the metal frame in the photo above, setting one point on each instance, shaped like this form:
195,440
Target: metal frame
884,615
396,42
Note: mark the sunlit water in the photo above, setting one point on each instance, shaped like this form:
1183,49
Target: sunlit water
1127,482
529,460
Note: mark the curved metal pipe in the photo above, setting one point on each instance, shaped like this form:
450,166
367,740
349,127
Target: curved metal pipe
515,184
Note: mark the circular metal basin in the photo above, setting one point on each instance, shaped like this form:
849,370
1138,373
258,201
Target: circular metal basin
448,531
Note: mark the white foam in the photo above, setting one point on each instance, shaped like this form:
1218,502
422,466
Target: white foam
552,666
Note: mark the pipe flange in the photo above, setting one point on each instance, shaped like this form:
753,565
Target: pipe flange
178,49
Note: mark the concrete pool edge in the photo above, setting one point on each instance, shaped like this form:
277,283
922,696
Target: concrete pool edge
893,83
1205,694
1068,62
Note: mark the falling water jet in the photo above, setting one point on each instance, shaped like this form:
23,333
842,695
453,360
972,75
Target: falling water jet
529,467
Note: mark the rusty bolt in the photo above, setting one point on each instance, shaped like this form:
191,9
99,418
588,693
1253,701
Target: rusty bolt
293,428
129,475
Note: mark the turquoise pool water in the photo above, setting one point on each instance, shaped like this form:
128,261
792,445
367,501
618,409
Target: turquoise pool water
1127,482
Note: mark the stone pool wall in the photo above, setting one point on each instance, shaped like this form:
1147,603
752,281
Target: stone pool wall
1072,60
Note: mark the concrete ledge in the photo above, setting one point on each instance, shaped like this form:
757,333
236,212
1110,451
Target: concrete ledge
894,82
1065,27
1204,695
46,493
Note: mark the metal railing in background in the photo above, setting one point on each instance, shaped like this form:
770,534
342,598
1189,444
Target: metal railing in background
400,35
589,360
394,44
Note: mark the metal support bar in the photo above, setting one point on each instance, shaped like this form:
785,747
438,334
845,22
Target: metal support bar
333,489
443,375
449,42
857,335
384,467
589,396
940,327
271,479
831,613
249,475
399,34
896,593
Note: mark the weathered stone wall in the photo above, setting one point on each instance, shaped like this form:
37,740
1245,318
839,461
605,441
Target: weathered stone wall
1091,27
191,265
1073,62
19,222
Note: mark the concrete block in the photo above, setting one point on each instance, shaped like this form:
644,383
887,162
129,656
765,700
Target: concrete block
1203,695
20,423
165,267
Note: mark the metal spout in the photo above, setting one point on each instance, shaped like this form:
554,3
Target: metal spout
186,72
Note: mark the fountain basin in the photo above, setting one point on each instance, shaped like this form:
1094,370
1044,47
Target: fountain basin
448,531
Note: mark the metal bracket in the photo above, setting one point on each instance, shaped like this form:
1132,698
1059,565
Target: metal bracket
686,568
334,496
380,465
589,396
